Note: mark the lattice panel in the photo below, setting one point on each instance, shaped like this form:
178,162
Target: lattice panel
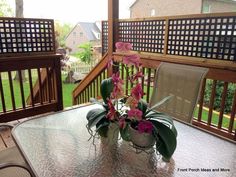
26,36
104,37
146,36
211,37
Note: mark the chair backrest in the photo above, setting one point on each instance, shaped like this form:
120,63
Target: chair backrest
181,81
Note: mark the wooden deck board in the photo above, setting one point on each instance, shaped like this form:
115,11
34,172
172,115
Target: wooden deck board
6,136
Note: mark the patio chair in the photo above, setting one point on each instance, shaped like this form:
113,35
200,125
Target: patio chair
12,163
184,83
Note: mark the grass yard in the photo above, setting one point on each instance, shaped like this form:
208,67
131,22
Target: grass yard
67,93
67,99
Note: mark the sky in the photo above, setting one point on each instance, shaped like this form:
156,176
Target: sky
71,11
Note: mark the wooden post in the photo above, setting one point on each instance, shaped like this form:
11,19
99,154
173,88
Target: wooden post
57,75
113,17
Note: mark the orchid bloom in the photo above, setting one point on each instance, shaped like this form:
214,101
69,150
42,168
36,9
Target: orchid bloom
135,114
131,102
123,47
122,123
132,60
112,111
136,76
109,63
145,126
137,92
118,90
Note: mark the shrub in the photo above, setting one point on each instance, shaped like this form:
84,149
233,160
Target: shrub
218,95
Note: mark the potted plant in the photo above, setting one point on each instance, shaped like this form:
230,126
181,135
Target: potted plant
143,126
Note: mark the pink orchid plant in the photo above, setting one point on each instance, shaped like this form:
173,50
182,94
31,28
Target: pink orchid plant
130,111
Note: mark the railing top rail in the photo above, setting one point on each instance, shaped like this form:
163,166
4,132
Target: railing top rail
208,15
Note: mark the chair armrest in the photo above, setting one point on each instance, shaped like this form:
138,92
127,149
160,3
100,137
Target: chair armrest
6,125
13,164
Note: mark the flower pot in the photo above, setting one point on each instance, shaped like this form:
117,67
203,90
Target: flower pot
112,135
141,140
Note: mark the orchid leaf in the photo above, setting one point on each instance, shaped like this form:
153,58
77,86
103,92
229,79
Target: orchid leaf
166,144
102,127
106,89
124,133
162,118
164,100
142,106
94,116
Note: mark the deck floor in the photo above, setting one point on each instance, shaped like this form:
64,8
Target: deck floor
6,140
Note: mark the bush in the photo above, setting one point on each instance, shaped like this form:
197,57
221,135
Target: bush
218,95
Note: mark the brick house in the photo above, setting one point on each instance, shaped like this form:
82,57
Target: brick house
149,8
83,32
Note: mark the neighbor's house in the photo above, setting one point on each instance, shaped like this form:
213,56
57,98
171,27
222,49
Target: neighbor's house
83,32
149,8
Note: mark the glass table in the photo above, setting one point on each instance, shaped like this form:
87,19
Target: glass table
57,145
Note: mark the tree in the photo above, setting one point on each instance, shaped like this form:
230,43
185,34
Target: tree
62,31
19,14
19,8
85,54
5,9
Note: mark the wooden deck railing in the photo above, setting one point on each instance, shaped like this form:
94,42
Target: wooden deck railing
14,94
207,40
27,47
89,87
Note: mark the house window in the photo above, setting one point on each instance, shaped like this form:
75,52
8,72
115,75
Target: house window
153,12
206,8
74,33
81,34
98,36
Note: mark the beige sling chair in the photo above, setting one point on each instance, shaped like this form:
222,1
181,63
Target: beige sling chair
12,163
184,83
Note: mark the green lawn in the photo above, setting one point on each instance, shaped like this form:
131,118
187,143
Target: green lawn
67,93
67,98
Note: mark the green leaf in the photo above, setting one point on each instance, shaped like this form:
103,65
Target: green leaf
142,106
167,139
124,133
95,115
102,128
163,118
159,103
106,88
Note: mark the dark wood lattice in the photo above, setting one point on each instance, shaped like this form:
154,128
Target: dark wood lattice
26,36
104,37
206,37
146,36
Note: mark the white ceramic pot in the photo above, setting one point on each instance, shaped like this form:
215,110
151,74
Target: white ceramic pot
142,140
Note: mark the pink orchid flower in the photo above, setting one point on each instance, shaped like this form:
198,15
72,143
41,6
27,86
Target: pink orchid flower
145,126
123,47
122,123
137,76
116,78
131,102
118,90
109,63
137,92
132,60
135,114
112,111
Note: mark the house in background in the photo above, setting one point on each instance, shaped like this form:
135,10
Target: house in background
83,32
151,8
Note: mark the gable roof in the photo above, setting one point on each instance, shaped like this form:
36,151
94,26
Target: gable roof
89,28
133,3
